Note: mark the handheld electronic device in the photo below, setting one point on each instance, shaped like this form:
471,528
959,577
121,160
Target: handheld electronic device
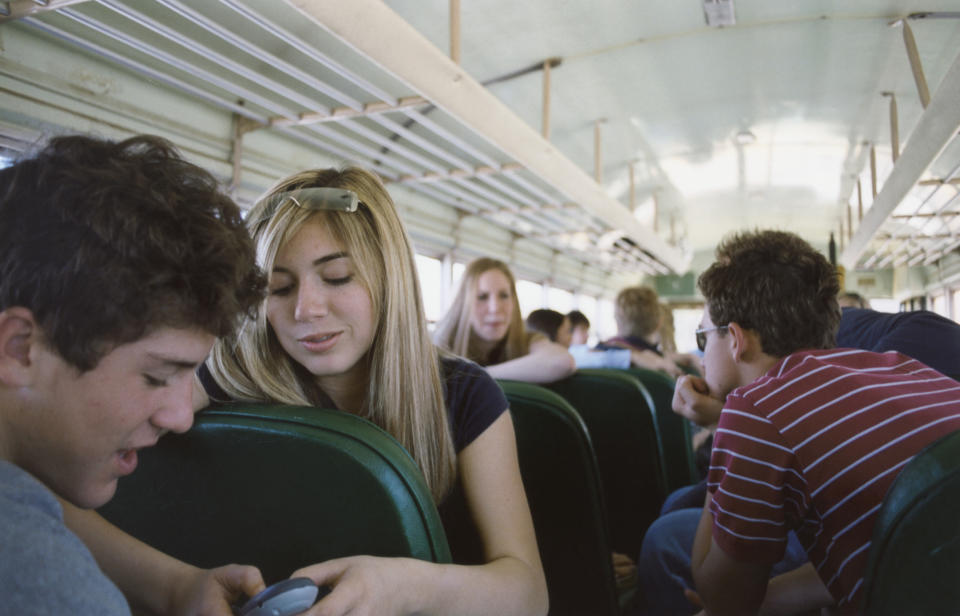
284,598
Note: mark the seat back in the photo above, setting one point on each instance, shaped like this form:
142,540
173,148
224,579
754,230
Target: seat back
678,459
618,413
914,564
279,487
563,488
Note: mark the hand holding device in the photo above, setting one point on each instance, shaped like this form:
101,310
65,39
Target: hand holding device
284,598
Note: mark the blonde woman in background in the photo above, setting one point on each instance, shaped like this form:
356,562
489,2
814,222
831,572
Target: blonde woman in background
343,327
484,325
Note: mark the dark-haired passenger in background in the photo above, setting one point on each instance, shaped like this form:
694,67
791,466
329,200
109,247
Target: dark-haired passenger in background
579,327
921,334
849,299
556,326
121,264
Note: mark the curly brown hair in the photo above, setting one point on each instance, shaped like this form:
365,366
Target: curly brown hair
105,241
776,284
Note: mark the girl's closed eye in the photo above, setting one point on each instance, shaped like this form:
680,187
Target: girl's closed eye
338,272
338,281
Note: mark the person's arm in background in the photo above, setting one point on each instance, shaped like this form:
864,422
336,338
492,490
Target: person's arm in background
585,357
545,363
685,360
654,361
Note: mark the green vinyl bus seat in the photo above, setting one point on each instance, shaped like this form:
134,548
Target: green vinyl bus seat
675,434
914,563
279,487
620,420
561,480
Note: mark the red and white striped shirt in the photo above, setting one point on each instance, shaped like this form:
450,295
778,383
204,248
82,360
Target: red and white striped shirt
813,446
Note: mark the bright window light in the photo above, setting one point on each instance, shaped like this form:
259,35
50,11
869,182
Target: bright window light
559,300
430,273
685,323
604,326
530,295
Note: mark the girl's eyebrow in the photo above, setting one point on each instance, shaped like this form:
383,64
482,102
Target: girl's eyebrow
333,256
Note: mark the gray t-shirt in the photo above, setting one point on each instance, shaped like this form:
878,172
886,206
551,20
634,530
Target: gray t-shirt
44,568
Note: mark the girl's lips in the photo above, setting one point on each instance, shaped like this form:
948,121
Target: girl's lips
320,342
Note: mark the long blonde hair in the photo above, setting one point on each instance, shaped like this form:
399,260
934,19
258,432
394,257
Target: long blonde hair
405,393
455,333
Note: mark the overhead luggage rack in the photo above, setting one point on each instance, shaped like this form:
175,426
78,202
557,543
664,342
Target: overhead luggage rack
314,74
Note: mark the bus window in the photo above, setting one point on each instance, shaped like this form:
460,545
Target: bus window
685,323
430,272
559,300
530,295
457,273
938,304
605,326
884,305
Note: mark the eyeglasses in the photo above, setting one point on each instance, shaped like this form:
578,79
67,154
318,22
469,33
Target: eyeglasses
315,198
702,335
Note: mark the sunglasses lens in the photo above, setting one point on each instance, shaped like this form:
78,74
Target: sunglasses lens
701,340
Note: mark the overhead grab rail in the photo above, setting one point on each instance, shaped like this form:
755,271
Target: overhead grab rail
436,159
938,125
411,58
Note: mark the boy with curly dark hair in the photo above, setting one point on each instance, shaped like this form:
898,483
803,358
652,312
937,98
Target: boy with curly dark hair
809,438
120,263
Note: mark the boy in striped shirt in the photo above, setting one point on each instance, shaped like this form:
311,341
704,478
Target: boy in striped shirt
810,436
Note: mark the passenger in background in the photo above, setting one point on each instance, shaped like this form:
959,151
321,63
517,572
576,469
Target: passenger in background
579,327
484,325
552,324
849,299
637,313
121,264
920,334
556,326
343,326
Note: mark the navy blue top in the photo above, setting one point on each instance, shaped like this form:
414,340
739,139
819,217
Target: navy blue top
921,334
473,399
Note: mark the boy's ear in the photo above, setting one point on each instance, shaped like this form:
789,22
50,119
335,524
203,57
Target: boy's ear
746,342
19,334
739,339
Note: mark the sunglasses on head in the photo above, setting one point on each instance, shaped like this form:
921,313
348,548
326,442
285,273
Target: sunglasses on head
315,198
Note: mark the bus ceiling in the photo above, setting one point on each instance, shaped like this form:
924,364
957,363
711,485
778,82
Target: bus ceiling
605,141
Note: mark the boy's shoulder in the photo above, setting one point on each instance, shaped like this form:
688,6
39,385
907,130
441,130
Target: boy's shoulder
45,568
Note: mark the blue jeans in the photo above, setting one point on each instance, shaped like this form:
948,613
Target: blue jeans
664,564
